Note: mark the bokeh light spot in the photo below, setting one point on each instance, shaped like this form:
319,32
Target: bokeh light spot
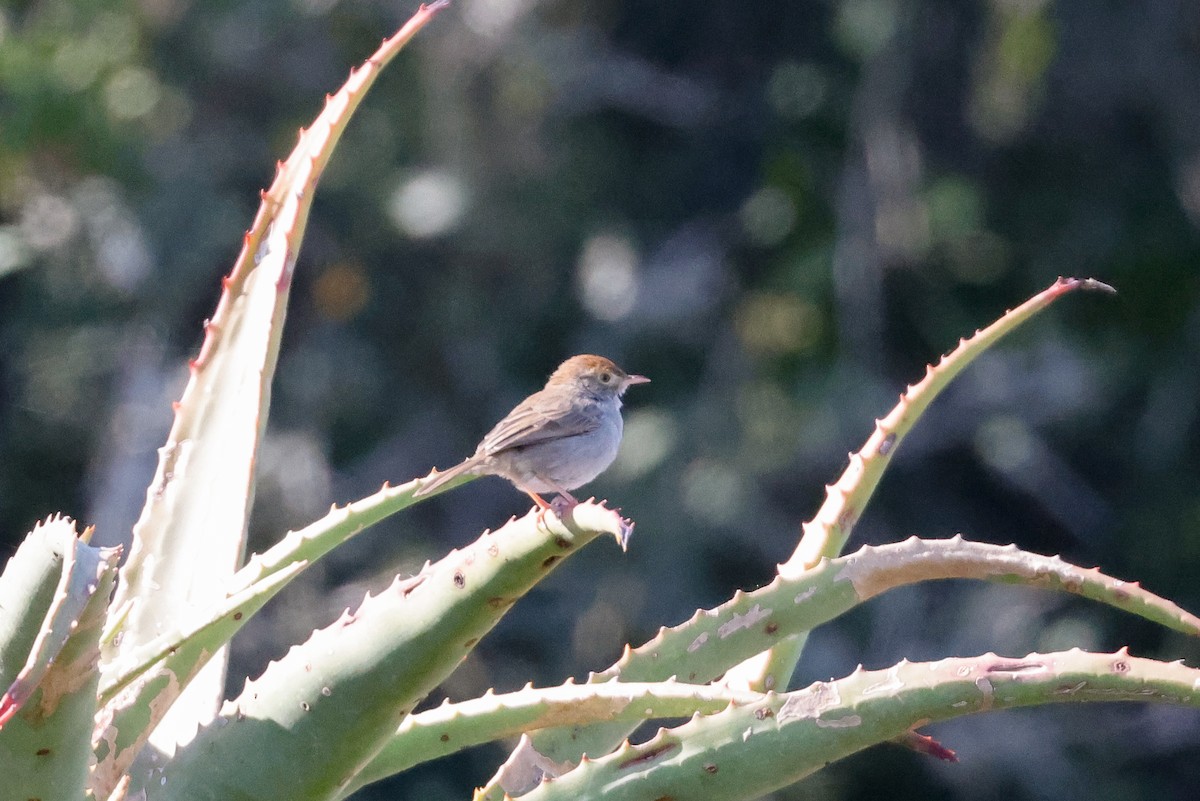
607,276
768,418
341,291
132,93
768,216
122,255
1006,444
1070,632
796,90
1011,69
770,324
493,18
713,492
77,63
955,208
650,435
48,221
428,204
13,253
863,27
979,258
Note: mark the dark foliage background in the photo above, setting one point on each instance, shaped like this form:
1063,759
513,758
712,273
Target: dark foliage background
780,211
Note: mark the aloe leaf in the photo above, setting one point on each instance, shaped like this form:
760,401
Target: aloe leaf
148,680
163,665
160,667
79,569
747,752
28,588
452,727
299,549
325,709
181,652
845,500
826,534
191,532
704,647
45,743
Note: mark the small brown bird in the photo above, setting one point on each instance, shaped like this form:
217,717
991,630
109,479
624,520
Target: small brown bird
558,438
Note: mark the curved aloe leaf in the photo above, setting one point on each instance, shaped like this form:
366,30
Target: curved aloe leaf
452,727
45,743
826,534
704,647
299,549
149,679
324,710
159,668
749,751
190,536
79,570
28,588
845,500
183,651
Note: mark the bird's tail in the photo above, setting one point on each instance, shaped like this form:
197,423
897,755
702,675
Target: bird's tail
445,476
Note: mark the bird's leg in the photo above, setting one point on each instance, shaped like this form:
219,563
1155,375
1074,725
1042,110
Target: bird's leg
541,504
564,502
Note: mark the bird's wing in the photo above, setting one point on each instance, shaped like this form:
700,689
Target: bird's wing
541,417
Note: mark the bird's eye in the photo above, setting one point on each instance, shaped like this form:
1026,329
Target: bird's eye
606,378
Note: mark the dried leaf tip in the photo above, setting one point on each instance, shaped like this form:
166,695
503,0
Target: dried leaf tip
1092,283
1067,283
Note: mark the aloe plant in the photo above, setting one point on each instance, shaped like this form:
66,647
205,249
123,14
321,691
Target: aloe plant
115,694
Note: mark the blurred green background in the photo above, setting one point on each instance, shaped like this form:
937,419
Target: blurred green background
779,211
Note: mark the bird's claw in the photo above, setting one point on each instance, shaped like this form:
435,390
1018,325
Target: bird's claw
562,506
624,533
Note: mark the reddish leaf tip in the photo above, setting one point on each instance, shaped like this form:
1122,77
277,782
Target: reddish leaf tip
8,708
924,744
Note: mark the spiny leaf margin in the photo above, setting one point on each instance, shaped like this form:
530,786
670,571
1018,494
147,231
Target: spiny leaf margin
826,534
747,752
702,648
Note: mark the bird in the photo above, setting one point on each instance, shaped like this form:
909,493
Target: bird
559,438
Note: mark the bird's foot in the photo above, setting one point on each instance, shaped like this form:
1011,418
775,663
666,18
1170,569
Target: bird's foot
562,506
563,503
542,506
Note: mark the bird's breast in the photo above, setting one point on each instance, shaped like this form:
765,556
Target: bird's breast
571,462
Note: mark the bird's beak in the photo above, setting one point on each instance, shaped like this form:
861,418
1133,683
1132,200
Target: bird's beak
636,379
